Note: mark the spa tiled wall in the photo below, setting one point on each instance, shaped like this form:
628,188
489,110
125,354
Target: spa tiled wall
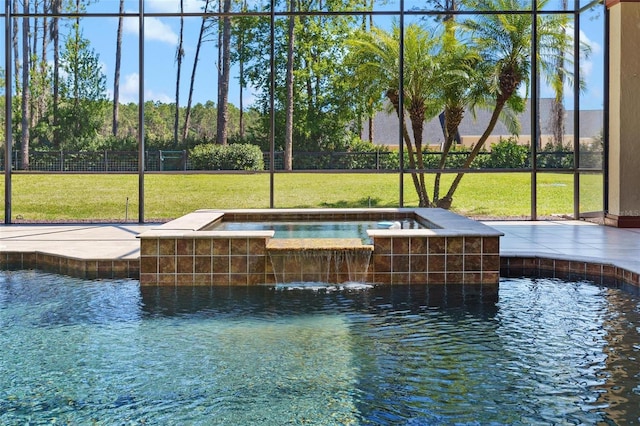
246,261
436,260
204,261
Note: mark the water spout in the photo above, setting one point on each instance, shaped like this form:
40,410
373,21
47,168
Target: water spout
319,260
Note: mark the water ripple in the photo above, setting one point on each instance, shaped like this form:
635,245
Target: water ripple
549,352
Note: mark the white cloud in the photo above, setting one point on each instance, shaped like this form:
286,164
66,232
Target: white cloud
586,61
171,6
150,95
130,26
586,58
130,87
131,84
154,29
585,68
595,46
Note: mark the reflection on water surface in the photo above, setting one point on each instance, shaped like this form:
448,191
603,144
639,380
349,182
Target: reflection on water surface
114,353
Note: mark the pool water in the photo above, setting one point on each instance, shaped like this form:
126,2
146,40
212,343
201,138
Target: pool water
318,229
111,352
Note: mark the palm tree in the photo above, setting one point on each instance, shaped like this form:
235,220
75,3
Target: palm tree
458,64
376,54
503,41
557,108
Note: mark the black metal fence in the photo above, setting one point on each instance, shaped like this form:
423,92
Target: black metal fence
162,160
99,161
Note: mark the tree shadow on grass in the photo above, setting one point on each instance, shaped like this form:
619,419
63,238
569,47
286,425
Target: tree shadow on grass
361,203
345,204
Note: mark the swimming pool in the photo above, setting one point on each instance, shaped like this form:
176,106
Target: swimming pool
113,352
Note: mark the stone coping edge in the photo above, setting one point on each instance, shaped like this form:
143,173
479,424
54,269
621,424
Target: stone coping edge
315,244
446,223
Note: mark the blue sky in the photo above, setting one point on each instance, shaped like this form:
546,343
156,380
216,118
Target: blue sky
161,39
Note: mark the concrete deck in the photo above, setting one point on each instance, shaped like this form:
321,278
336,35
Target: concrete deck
571,240
82,242
560,240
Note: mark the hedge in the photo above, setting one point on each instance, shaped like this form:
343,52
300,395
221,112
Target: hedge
226,157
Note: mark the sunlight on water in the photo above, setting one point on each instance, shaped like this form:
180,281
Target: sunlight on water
315,286
82,352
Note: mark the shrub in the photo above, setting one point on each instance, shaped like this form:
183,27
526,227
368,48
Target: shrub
555,156
591,153
226,157
507,154
456,158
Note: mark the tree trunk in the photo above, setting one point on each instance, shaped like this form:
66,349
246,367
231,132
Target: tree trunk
116,78
76,68
187,114
55,35
42,102
179,55
288,137
25,89
372,114
33,108
450,6
393,97
446,201
508,82
452,119
557,117
241,75
557,109
416,115
223,82
241,78
16,52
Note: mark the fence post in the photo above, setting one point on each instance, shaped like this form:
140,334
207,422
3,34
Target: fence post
61,160
106,161
184,159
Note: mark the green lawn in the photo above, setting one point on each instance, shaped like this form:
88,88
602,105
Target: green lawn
98,197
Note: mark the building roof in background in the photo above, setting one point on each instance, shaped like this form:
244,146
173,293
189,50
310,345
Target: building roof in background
385,125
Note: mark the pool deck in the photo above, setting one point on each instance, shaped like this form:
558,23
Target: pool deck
559,240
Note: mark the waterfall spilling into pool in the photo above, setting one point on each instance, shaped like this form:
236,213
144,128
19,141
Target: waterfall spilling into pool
319,260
